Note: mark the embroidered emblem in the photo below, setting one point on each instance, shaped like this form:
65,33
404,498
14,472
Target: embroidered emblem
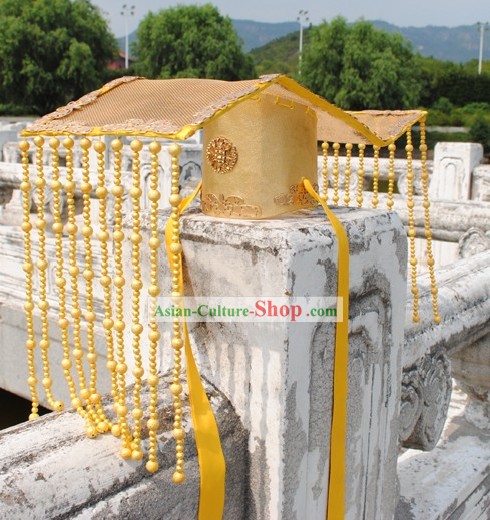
221,154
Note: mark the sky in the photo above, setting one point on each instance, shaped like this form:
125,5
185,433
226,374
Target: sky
403,13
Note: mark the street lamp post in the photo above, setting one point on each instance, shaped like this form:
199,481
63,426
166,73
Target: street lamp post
482,27
127,11
302,19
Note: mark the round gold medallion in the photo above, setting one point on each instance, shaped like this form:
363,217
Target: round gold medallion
221,154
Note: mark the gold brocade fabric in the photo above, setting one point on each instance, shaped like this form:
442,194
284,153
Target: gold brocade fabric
270,144
176,108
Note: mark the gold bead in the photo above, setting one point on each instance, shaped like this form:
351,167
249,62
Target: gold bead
105,281
154,195
116,145
60,282
91,357
24,146
136,238
76,403
135,192
119,281
409,148
152,465
177,343
71,228
99,146
27,268
47,382
154,335
85,187
178,434
26,226
28,306
154,242
102,427
44,344
111,365
137,413
136,145
76,313
101,192
175,200
176,248
68,142
85,144
136,454
116,430
153,290
33,416
31,381
66,364
178,477
153,424
118,236
126,453
122,411
119,326
153,380
30,344
174,149
136,284
58,406
118,191
121,368
77,353
57,227
176,389
44,305
136,329
38,141
107,323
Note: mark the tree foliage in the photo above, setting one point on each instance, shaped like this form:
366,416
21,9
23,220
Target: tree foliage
357,66
190,41
51,51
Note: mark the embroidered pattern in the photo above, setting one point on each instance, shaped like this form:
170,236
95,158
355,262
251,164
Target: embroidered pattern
297,196
221,155
231,206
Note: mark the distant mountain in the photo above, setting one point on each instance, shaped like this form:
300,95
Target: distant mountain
458,44
256,34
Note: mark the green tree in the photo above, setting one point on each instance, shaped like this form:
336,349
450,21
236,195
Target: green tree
190,41
480,131
51,51
357,66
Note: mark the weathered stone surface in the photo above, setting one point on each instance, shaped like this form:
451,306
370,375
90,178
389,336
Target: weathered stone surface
453,166
50,469
452,481
474,241
278,376
471,369
426,393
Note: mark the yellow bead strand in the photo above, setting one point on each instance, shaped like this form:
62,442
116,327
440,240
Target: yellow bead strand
60,280
136,284
153,291
73,270
42,265
119,323
411,226
375,177
324,193
28,268
391,176
177,291
105,279
88,275
348,154
428,232
360,176
336,174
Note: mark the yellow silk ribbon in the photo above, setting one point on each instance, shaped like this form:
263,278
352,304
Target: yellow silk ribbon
336,480
212,466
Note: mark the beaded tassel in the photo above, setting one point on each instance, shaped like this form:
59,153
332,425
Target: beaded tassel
119,324
136,284
28,268
348,150
428,232
336,174
153,291
375,177
391,176
360,175
411,226
324,194
105,279
42,265
60,280
76,311
177,291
